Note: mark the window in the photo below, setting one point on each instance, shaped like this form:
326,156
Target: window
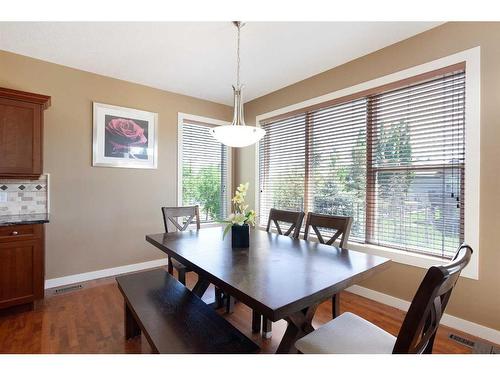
283,166
392,157
203,172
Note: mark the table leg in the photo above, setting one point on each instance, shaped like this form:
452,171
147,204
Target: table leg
200,287
219,298
267,328
299,325
229,304
182,276
256,321
335,305
170,267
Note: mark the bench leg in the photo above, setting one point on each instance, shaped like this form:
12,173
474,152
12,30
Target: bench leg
335,306
267,328
256,321
132,329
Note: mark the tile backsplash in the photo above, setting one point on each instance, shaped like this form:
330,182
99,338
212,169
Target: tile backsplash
20,196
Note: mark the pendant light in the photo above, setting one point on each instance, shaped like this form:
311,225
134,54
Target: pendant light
238,134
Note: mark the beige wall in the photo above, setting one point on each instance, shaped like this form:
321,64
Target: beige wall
99,216
477,301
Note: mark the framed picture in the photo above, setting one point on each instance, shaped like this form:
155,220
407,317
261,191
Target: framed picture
124,137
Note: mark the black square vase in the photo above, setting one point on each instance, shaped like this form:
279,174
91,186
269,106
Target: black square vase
240,236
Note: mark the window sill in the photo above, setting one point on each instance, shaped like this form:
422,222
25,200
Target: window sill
411,259
211,224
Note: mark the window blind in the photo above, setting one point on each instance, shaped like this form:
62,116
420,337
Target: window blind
418,152
338,163
204,172
282,166
392,159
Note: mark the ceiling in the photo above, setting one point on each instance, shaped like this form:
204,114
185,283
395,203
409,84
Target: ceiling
199,58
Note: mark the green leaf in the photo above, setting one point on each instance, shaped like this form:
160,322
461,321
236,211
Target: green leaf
226,230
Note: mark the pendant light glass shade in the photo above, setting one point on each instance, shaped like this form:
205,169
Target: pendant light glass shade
238,134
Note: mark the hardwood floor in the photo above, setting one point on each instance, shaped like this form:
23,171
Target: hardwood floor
90,320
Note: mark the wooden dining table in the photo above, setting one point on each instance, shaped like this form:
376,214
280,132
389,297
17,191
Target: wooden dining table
277,276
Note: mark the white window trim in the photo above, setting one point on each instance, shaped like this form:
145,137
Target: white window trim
472,59
181,118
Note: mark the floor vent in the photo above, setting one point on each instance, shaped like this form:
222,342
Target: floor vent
462,340
478,347
68,289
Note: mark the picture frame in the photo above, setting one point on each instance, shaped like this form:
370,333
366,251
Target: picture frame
124,137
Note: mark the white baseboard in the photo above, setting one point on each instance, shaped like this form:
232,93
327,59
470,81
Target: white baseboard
451,321
78,278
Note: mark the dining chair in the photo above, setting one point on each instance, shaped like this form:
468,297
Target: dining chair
293,220
342,227
172,222
350,333
340,224
171,217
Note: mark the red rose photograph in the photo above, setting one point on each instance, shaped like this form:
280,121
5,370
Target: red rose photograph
124,137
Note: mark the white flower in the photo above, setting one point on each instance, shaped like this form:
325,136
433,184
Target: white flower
240,215
239,219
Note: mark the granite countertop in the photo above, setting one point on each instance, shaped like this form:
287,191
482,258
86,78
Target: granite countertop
23,219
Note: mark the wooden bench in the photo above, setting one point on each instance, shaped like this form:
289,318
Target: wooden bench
173,319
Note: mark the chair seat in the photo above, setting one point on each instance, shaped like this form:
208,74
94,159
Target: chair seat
347,334
178,265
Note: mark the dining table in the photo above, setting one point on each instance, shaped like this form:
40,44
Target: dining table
277,276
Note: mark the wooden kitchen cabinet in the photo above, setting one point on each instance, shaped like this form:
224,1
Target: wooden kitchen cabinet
21,264
21,133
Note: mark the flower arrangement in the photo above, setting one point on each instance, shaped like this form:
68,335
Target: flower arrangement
240,215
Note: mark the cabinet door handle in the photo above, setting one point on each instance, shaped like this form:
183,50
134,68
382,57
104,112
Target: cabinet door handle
15,233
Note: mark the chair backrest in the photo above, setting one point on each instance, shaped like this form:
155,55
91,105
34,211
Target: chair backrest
422,320
342,225
290,217
171,215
